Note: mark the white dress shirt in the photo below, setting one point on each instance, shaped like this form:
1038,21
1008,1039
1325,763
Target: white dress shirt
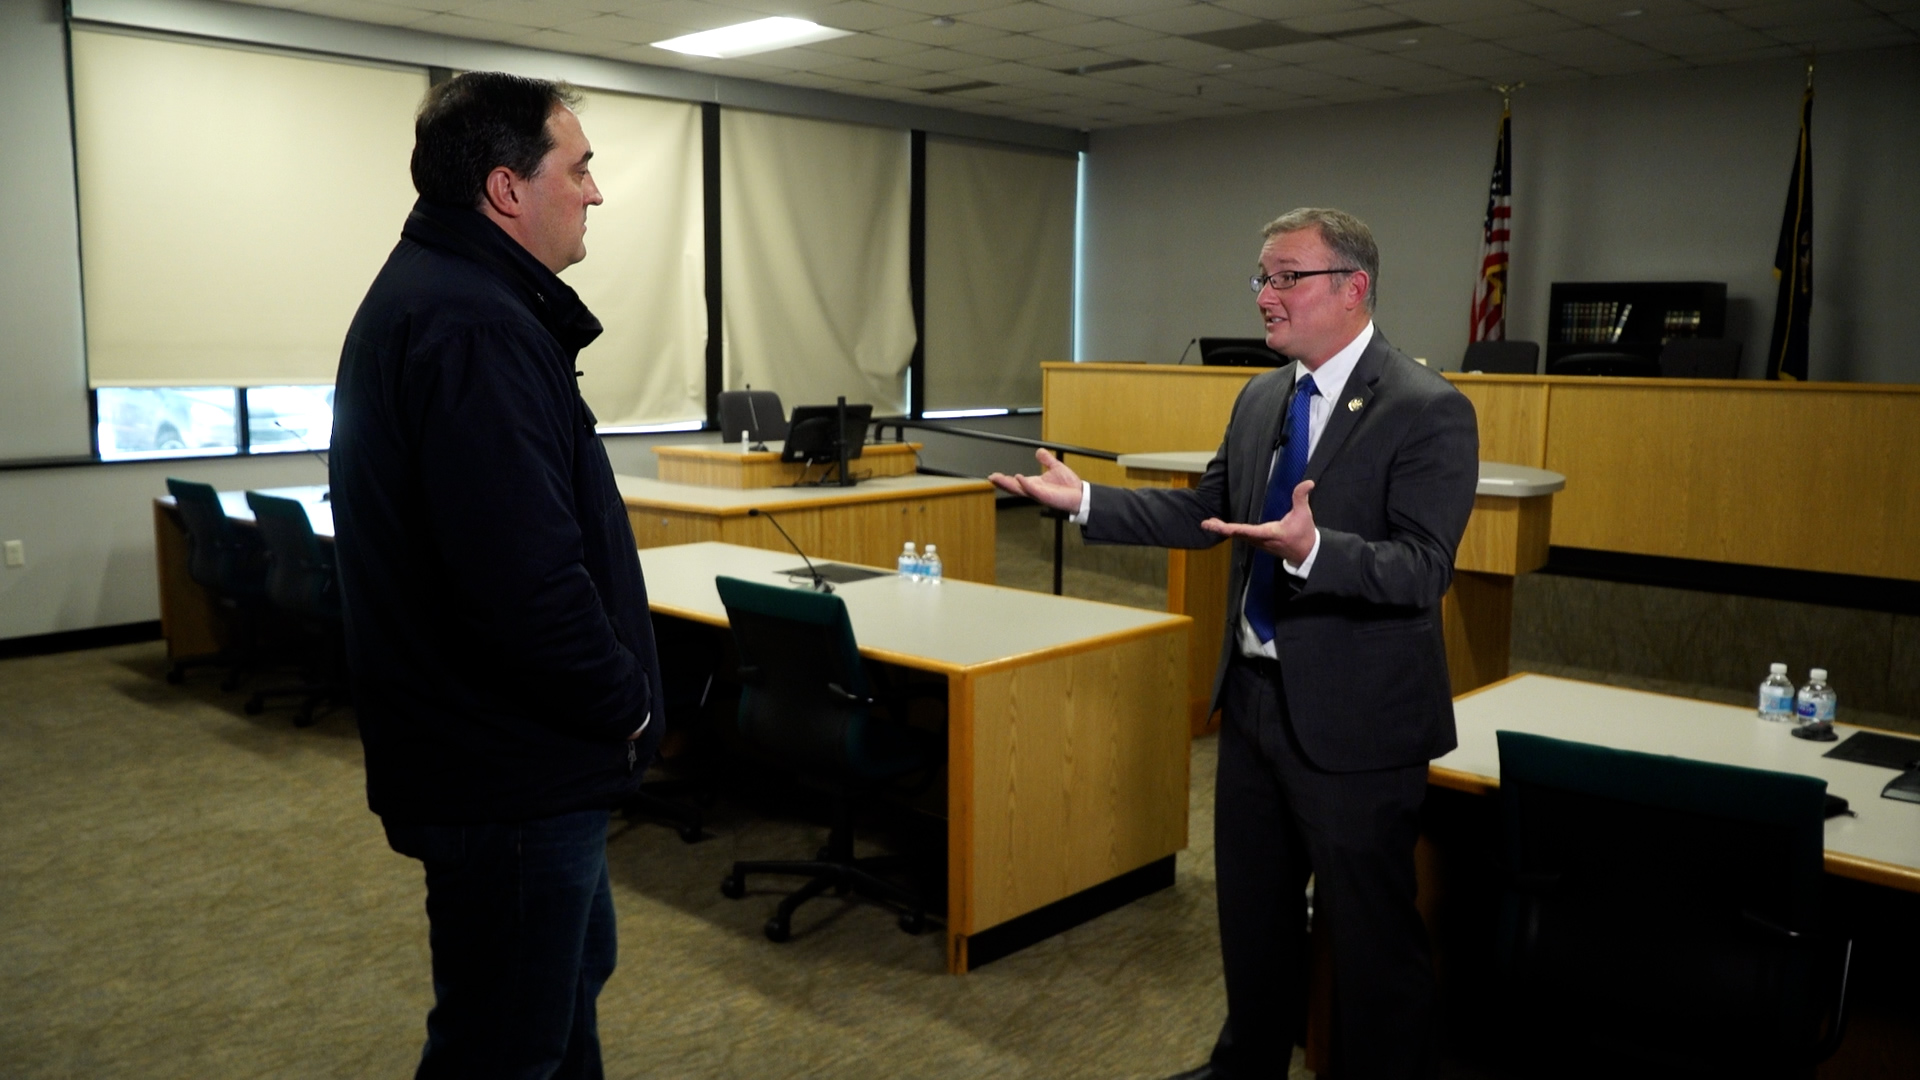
1330,379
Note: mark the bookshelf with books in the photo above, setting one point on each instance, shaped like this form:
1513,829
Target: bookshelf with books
1637,317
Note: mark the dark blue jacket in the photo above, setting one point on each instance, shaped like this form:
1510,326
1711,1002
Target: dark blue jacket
496,616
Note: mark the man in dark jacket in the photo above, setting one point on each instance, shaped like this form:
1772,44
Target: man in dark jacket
504,665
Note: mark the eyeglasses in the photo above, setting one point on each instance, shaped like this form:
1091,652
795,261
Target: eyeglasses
1282,280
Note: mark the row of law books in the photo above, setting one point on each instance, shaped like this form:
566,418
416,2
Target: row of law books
1593,321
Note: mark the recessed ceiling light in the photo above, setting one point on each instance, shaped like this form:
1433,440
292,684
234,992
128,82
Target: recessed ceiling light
943,21
1630,13
1409,41
747,38
1223,67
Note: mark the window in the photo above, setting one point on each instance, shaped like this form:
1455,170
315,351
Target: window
286,419
167,421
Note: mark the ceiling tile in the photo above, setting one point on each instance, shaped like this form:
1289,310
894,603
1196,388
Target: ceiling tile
1007,73
1224,62
1396,41
1344,22
1313,50
1274,10
1025,17
935,60
463,27
1117,9
867,71
533,14
1191,19
1874,33
1452,11
1165,49
867,47
362,11
926,33
1766,16
1095,35
1608,12
622,28
932,8
1471,57
1538,22
1731,40
1557,44
860,15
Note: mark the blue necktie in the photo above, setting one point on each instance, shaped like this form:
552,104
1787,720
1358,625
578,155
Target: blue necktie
1287,473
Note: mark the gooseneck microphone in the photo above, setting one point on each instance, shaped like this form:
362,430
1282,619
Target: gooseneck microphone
1183,352
820,584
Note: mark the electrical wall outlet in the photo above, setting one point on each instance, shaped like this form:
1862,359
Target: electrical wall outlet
16,553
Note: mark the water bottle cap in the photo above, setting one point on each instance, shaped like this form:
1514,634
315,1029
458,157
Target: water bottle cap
1818,674
1777,669
931,548
908,546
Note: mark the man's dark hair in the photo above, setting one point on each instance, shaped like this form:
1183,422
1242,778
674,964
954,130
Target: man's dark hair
477,121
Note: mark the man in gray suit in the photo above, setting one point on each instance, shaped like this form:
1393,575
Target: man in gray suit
1346,477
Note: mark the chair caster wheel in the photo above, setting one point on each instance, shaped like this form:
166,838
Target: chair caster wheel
254,706
915,924
778,930
176,675
733,887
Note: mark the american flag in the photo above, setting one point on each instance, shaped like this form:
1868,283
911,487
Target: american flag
1490,292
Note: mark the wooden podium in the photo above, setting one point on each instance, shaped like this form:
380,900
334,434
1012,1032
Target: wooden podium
1506,537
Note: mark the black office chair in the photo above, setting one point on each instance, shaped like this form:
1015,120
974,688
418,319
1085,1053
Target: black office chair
1664,916
1700,358
1618,364
304,587
758,413
230,563
1502,358
808,705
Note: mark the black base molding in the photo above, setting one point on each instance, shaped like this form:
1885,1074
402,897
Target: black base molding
97,637
1036,926
1737,579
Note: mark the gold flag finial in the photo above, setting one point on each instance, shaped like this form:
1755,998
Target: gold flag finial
1810,59
1506,93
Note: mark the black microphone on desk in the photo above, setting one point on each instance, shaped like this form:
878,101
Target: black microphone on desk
1183,352
820,584
759,445
327,495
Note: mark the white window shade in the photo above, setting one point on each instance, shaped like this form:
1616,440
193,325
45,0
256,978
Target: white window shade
999,297
814,235
644,274
234,206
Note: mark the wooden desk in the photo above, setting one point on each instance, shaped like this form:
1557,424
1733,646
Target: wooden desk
728,465
1066,734
1711,469
1881,845
1505,537
863,524
189,619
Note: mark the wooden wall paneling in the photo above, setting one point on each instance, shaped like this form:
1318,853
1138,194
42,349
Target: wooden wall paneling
1079,776
715,465
1505,535
1512,412
190,620
1801,476
664,528
1136,408
1476,617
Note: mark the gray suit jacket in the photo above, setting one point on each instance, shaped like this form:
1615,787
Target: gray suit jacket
1359,641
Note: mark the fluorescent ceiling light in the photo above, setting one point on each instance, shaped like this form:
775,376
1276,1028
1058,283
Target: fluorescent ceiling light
747,38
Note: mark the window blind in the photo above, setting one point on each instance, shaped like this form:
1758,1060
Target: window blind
999,291
234,206
644,274
814,235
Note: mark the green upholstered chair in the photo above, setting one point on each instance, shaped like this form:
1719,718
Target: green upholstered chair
1664,915
809,706
303,587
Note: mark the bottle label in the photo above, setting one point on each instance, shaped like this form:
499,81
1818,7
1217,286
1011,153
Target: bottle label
1776,703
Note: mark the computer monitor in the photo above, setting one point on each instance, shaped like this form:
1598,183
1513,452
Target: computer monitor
757,413
817,434
1238,352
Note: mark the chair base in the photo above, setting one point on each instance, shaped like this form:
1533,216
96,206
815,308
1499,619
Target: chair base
834,867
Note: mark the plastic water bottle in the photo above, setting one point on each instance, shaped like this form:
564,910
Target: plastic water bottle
1816,702
930,566
1776,695
909,563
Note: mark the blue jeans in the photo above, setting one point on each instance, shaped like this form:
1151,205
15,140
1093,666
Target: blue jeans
521,924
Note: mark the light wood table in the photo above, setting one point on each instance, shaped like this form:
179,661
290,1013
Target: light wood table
1881,845
729,465
1506,536
1066,733
190,620
864,524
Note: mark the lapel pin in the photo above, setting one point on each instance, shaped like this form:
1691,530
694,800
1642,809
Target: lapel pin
1354,405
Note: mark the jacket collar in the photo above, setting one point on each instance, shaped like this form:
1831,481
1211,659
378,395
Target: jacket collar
1347,413
467,233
